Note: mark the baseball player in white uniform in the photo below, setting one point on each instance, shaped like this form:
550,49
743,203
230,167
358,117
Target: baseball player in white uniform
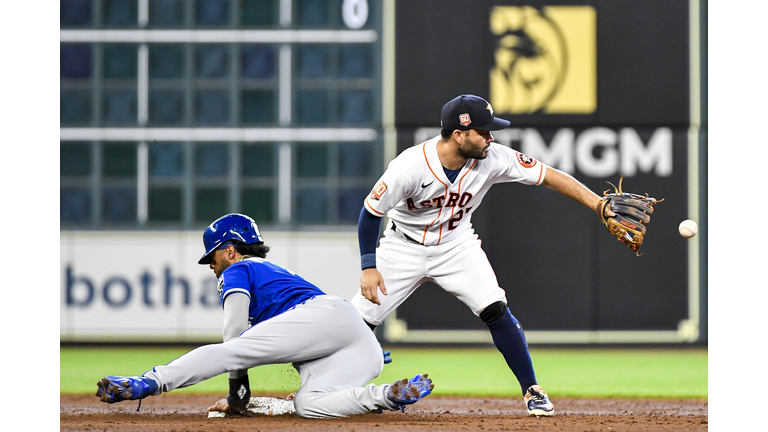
274,316
429,193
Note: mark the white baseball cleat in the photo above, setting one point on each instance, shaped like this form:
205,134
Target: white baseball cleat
537,402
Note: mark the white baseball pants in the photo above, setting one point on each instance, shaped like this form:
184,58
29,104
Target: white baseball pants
459,267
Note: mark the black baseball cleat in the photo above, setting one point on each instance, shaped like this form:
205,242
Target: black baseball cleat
113,389
537,402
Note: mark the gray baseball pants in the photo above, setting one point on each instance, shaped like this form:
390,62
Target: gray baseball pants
335,353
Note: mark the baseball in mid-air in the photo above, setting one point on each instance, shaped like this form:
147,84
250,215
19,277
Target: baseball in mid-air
688,228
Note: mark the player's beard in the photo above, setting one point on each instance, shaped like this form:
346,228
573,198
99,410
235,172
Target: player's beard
472,151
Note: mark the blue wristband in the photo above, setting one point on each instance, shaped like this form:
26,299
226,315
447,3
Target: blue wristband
368,261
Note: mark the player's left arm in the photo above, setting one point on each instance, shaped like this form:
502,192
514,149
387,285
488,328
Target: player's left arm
236,310
568,186
236,307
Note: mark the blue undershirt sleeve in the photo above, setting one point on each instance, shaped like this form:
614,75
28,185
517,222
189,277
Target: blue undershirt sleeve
368,227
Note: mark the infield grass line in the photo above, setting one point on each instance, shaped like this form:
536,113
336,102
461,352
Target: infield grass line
477,372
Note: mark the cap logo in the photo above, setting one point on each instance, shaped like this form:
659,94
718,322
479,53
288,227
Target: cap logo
464,119
489,108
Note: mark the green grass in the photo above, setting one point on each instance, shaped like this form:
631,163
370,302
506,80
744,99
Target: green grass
602,373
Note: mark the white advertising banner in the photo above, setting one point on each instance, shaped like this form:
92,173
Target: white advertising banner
147,286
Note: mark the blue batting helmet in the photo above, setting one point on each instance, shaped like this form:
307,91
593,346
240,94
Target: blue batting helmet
233,226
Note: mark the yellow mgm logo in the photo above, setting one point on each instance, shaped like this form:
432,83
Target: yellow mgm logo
545,60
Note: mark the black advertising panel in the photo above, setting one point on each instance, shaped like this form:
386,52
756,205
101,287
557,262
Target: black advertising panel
596,89
643,63
612,62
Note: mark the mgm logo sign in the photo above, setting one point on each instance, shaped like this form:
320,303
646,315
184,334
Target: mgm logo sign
545,60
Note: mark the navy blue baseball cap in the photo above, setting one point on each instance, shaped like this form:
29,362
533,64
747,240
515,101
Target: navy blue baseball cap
467,112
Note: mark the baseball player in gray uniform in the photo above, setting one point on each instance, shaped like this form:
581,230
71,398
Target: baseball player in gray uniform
429,193
274,316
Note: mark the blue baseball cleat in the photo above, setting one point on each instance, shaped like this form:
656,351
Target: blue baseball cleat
405,392
538,403
116,388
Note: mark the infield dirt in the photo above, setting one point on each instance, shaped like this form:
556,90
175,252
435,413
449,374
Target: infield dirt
188,412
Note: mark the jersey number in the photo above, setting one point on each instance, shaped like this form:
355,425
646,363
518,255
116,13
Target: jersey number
456,219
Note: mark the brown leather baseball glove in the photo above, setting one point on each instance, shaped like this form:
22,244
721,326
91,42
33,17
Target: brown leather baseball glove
633,211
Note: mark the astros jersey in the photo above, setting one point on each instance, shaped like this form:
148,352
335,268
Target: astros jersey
415,193
273,289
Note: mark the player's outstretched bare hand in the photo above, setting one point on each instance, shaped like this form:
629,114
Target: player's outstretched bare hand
370,282
222,406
